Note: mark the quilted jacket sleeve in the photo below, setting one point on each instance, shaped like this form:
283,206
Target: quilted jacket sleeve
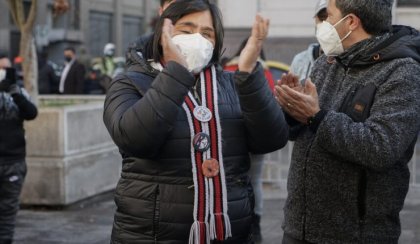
266,126
139,124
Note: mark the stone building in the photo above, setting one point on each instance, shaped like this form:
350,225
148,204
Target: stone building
88,25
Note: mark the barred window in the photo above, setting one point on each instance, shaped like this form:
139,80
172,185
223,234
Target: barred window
71,19
100,31
133,27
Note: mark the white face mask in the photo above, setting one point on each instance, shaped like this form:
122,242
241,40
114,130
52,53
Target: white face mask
2,74
196,50
329,39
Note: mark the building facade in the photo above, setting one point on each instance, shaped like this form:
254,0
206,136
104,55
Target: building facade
87,26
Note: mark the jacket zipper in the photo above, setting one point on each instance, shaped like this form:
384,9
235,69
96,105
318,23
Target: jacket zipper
156,214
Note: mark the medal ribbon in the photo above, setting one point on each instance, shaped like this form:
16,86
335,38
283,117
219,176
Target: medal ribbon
211,220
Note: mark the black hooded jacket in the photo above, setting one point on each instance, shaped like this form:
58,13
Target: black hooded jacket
13,111
144,116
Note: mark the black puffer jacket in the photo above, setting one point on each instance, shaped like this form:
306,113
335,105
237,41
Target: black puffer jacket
144,115
13,111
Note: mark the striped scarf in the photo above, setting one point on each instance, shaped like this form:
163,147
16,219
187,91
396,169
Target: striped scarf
211,220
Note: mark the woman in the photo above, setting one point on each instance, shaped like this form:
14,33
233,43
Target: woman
177,112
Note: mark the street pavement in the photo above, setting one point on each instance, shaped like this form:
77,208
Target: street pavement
90,222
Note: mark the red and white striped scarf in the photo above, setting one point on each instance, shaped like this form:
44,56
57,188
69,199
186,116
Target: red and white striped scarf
211,220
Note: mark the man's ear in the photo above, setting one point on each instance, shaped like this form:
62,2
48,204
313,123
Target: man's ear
354,22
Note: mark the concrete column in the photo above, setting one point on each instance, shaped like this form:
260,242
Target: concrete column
118,27
394,12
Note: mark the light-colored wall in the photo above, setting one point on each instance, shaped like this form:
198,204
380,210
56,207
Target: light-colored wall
408,16
287,18
290,18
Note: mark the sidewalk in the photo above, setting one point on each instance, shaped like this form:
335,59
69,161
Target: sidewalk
90,222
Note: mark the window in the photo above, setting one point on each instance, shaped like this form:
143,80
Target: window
100,32
74,15
132,29
71,19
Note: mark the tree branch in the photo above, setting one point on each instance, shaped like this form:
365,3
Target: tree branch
13,11
20,13
30,21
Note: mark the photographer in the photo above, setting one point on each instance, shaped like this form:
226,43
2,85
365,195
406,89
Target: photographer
15,107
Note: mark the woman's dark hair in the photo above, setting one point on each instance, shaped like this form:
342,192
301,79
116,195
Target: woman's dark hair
176,11
162,2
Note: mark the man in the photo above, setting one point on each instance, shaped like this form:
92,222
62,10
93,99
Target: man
73,76
105,66
302,63
47,79
15,107
108,64
355,128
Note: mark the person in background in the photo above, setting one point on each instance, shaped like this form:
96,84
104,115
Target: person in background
356,123
15,107
257,160
84,58
106,66
48,81
18,65
232,63
185,129
303,62
73,75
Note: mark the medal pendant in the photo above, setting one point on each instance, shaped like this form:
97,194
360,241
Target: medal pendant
201,142
202,113
210,168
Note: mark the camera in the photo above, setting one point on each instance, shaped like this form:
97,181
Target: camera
11,74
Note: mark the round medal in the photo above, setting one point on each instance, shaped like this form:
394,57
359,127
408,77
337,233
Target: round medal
201,142
210,168
202,113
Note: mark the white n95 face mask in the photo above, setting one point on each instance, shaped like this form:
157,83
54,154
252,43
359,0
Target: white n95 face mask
196,50
329,39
